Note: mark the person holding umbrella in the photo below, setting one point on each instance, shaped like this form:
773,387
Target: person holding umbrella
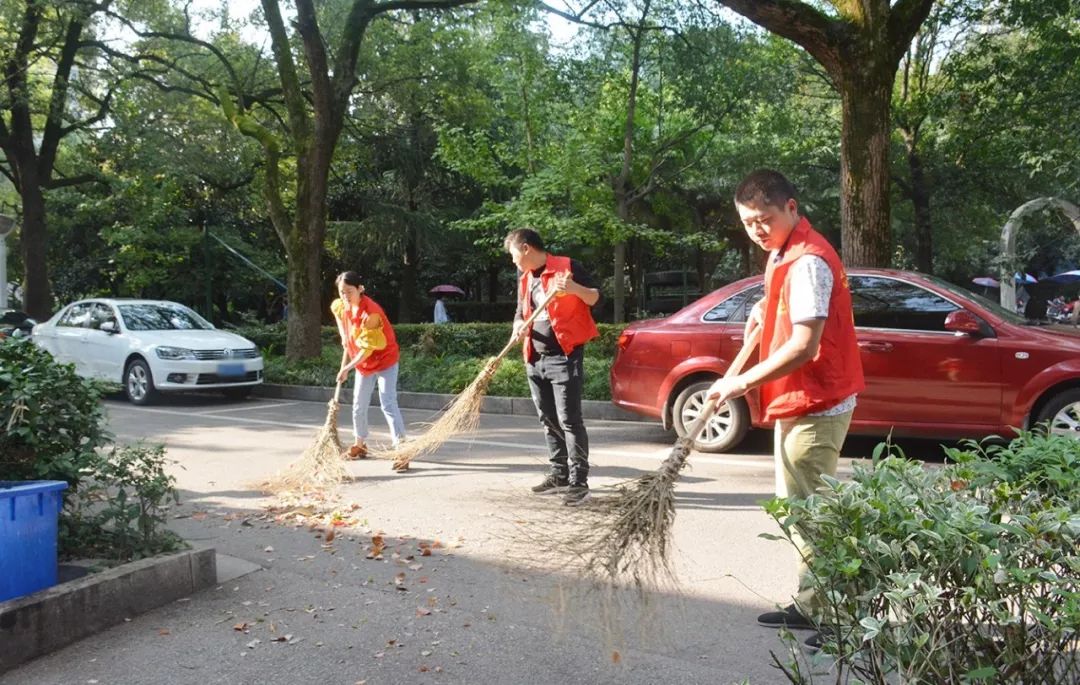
441,315
370,347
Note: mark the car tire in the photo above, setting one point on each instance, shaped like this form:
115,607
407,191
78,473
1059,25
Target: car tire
723,432
241,393
139,383
1062,413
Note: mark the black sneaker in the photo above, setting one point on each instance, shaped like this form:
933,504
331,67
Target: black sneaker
576,495
552,485
788,617
815,642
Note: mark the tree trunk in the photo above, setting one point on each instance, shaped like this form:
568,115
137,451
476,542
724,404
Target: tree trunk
34,244
866,94
304,249
408,307
920,201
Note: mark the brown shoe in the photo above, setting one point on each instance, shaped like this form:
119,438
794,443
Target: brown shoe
356,452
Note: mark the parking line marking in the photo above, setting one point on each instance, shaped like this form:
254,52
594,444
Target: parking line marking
766,462
254,406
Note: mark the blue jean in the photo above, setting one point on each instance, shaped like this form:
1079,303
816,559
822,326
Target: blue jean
363,386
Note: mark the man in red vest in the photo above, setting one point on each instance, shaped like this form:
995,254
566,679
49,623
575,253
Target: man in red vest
809,371
554,350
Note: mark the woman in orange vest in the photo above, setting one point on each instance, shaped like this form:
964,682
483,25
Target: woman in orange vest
810,371
554,351
369,346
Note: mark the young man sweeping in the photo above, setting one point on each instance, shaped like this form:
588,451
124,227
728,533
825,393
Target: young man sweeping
809,371
554,350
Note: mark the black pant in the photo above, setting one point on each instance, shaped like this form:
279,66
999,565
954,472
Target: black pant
556,383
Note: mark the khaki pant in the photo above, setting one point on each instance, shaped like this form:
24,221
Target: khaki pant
805,448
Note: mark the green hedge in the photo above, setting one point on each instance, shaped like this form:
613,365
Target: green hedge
469,339
441,359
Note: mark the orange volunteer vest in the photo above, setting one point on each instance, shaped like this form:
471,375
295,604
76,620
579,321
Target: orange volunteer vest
379,359
571,318
835,372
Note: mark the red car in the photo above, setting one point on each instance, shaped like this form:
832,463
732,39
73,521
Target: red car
939,362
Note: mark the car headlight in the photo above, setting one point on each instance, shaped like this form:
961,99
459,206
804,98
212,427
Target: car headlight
174,353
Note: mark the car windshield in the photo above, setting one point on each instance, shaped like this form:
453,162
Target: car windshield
161,317
997,309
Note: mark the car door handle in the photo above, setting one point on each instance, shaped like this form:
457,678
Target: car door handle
876,346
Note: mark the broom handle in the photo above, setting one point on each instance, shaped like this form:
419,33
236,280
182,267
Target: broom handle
734,369
528,322
337,393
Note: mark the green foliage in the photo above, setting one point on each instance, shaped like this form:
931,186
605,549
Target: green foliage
51,422
968,572
121,512
436,358
52,428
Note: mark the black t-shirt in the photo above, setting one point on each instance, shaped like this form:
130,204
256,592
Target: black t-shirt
542,336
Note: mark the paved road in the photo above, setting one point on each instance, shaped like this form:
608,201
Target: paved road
492,604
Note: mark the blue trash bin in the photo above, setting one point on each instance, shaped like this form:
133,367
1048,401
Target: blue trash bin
29,513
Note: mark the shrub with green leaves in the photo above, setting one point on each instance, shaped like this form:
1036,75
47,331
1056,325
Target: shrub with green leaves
445,358
121,511
51,421
962,573
52,427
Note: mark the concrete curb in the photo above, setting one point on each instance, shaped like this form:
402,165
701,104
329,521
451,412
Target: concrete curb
519,406
58,616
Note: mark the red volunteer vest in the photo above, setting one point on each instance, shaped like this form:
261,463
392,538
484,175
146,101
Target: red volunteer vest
379,359
571,318
835,372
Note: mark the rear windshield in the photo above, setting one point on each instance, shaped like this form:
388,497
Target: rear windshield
160,317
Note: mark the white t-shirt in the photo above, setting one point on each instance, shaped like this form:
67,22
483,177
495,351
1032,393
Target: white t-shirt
810,284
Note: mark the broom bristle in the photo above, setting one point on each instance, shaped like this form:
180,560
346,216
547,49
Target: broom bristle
633,545
461,416
321,466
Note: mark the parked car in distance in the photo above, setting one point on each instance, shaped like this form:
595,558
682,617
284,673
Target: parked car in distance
939,362
15,324
150,346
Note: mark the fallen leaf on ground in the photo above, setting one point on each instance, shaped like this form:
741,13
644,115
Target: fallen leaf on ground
421,611
415,567
268,548
424,669
163,631
241,627
253,643
330,535
199,515
615,656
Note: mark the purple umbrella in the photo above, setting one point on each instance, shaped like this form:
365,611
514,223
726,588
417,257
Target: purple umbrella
446,289
1064,277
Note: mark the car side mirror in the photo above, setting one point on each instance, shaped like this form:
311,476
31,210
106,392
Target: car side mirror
110,327
963,321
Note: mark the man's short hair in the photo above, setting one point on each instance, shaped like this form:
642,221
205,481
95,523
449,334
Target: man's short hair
523,236
765,186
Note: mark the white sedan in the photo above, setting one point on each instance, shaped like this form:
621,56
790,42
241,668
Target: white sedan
150,346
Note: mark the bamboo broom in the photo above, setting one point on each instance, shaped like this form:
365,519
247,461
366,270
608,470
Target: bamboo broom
321,465
463,413
632,540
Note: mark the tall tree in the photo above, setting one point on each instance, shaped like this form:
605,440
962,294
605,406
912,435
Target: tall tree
52,89
860,46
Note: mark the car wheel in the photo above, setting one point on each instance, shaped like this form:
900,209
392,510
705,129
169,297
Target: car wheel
139,383
240,393
723,431
1062,414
